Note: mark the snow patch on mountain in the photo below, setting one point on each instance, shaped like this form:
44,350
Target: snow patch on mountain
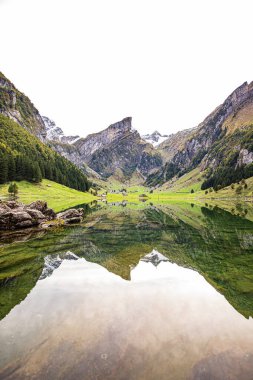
55,133
155,138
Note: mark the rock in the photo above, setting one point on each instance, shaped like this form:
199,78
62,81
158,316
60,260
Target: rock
38,205
50,214
16,219
4,208
36,214
25,224
245,158
71,216
14,215
13,204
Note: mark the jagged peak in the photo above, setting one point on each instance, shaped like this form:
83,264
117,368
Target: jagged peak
125,123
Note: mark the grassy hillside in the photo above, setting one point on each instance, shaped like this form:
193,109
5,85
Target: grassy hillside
186,183
57,196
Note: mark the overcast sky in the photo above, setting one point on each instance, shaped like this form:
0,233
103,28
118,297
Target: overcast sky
89,63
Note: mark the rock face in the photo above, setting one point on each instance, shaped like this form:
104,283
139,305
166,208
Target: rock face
118,147
245,158
19,108
212,142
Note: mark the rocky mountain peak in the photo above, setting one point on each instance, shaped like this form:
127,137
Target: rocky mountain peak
124,125
155,138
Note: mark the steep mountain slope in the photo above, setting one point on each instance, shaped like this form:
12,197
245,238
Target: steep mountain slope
221,144
118,147
19,108
174,143
99,154
24,156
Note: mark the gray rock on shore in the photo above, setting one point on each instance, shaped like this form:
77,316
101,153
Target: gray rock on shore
15,215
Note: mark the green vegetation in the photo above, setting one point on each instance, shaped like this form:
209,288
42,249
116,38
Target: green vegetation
13,189
118,236
57,196
24,157
226,153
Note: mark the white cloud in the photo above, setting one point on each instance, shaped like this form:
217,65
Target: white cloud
89,63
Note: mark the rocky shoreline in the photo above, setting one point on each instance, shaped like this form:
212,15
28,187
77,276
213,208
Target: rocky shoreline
16,215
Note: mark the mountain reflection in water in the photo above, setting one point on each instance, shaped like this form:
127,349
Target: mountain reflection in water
117,298
88,323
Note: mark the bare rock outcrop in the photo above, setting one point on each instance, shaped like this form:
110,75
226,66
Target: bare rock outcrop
15,215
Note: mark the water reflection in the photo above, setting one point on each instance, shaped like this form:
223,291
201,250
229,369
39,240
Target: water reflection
85,322
212,241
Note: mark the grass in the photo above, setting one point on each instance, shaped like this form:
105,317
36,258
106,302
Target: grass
57,196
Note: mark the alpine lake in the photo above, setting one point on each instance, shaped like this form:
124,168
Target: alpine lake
136,292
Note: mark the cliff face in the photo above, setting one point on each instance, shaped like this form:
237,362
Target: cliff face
118,147
221,136
15,105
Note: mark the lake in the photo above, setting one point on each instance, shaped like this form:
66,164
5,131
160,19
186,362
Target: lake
136,292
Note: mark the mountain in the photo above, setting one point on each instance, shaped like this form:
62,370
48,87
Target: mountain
155,138
221,145
23,150
117,149
55,133
18,107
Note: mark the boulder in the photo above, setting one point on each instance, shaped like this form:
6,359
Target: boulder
15,219
36,214
14,215
38,205
71,216
13,204
4,208
50,214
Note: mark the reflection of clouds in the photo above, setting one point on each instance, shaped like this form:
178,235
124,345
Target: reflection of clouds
166,321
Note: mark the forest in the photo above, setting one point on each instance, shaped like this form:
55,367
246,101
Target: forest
24,157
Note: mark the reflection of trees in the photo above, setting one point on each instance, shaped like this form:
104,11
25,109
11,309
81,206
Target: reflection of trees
213,242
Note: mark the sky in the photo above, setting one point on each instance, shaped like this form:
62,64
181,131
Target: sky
89,63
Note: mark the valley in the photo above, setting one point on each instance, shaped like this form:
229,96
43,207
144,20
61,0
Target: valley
113,243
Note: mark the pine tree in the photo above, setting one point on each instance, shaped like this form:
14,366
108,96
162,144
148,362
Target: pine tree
10,188
37,176
15,189
3,168
11,168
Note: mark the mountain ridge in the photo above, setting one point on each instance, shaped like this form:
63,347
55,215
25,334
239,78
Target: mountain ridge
221,145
